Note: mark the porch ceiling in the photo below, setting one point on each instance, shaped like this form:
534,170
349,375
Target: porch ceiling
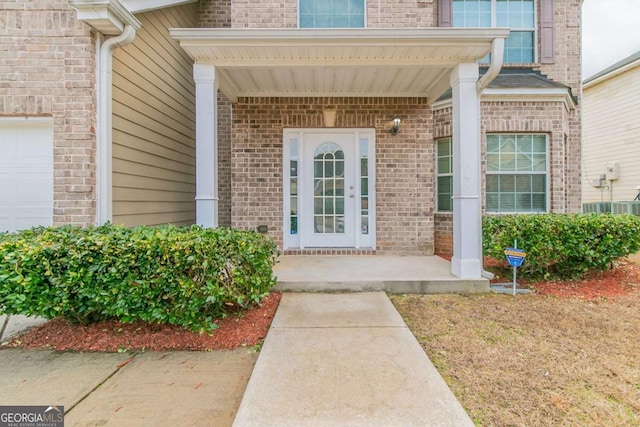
328,62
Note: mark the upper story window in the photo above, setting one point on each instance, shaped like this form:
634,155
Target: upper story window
519,15
331,13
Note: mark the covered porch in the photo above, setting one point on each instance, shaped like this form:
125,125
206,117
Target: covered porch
384,63
393,274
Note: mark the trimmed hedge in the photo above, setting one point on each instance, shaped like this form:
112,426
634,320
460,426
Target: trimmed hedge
182,276
560,246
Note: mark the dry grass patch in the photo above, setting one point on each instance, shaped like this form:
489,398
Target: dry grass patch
534,360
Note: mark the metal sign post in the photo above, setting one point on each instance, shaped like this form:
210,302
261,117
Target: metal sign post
515,257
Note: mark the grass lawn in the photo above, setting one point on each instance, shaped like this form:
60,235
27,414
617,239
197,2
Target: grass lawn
534,360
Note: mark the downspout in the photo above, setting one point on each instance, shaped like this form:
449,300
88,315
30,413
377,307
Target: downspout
497,58
104,186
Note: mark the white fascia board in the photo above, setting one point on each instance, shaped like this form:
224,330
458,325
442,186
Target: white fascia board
441,105
612,74
518,94
348,36
108,17
530,94
139,6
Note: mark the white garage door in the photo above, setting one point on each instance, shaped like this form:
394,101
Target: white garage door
26,173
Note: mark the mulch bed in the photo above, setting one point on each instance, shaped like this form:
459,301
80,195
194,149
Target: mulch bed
245,330
621,280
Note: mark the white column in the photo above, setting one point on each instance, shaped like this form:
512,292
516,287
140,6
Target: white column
206,145
467,221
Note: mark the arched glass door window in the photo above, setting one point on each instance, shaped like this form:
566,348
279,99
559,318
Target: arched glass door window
328,189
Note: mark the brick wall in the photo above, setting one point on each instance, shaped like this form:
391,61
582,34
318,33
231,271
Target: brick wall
48,69
264,13
224,161
284,13
549,118
214,13
404,167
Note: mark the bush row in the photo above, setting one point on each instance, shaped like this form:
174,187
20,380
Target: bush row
182,276
560,246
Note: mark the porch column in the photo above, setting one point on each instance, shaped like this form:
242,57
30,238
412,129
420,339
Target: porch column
467,222
206,145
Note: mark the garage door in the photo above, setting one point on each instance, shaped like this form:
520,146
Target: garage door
26,173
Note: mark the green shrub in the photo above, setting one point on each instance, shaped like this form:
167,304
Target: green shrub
182,276
562,246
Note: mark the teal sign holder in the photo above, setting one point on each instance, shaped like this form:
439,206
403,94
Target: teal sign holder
515,258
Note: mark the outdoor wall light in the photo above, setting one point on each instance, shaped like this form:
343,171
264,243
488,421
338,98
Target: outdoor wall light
395,128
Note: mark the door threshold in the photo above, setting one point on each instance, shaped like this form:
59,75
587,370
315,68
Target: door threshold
330,251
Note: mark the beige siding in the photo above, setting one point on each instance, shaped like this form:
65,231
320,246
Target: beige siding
611,133
154,124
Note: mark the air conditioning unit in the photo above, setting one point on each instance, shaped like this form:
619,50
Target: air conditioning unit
597,207
632,208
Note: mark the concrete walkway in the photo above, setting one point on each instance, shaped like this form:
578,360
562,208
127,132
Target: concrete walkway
328,360
345,360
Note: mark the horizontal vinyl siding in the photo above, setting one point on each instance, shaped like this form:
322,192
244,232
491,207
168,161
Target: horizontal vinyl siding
612,134
154,124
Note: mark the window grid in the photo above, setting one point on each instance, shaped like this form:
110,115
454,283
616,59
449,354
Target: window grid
444,175
331,13
328,183
519,15
293,186
364,186
516,179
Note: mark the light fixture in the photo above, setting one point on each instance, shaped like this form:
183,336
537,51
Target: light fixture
395,128
329,116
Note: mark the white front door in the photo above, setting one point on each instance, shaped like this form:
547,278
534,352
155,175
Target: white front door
329,188
328,182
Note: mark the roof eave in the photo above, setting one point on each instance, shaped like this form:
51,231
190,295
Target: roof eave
139,6
434,49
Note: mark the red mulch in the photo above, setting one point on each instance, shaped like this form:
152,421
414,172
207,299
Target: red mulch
247,330
622,280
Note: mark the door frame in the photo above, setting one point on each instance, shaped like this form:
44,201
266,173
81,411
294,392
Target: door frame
293,142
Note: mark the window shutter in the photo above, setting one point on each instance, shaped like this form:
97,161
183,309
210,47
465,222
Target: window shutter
445,13
547,32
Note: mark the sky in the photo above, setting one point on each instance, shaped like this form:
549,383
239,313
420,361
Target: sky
610,32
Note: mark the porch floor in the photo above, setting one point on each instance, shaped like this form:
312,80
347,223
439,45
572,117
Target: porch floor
394,274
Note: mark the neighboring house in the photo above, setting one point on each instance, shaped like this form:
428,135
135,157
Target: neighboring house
160,111
611,132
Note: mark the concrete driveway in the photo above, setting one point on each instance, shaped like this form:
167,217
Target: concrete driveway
145,389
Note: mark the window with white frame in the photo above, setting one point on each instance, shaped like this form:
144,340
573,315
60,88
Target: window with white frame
444,175
518,15
516,176
331,13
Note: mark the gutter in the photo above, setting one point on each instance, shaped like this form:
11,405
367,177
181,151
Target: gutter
497,59
104,205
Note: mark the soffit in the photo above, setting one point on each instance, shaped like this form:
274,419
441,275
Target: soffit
351,62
